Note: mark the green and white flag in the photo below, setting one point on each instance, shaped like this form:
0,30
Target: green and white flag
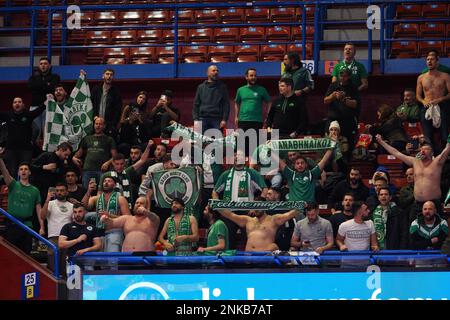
447,198
181,183
306,144
71,122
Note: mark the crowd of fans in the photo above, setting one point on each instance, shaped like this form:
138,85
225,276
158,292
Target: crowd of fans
100,197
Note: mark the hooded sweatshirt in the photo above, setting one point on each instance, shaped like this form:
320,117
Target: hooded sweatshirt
41,84
211,101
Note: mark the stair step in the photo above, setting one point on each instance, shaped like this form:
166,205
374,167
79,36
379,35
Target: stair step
24,61
350,34
347,13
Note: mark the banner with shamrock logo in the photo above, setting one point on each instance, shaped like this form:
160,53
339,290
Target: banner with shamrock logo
181,183
70,122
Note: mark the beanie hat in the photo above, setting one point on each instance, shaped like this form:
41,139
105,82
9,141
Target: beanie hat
335,124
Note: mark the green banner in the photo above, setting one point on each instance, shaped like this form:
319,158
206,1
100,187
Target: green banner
306,144
181,183
189,133
257,205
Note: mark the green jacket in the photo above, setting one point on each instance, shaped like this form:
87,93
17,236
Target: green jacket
412,112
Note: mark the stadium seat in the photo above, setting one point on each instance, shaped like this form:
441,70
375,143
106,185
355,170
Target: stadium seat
116,55
226,35
221,54
426,46
297,47
257,15
194,54
169,35
130,17
297,32
184,16
309,12
282,14
247,53
447,34
278,33
437,10
105,18
324,211
273,52
87,18
408,11
115,61
232,15
402,30
252,34
404,49
97,37
142,55
412,129
392,164
207,16
156,16
200,35
432,30
447,49
94,56
399,182
166,54
123,36
149,36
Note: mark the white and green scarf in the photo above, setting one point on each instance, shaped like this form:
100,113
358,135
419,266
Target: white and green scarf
123,186
379,218
112,207
305,144
243,187
257,205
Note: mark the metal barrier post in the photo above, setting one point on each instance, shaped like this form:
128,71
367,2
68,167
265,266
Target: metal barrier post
316,35
382,49
175,44
49,35
32,39
303,32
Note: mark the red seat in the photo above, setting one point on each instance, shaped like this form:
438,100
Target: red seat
399,182
120,53
437,10
142,55
297,32
406,30
273,52
257,15
408,11
282,14
130,17
86,18
278,33
247,53
221,53
123,36
184,16
200,35
427,46
156,16
448,31
194,54
298,48
169,35
207,16
107,17
232,15
412,129
252,34
149,36
115,61
226,35
432,30
447,48
166,54
309,12
404,49
97,37
94,56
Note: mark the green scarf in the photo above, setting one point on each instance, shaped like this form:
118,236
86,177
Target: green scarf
305,144
189,133
243,186
447,198
184,229
112,207
123,186
257,205
379,218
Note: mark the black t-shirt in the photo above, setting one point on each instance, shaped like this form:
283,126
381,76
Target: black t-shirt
77,194
336,220
73,230
337,109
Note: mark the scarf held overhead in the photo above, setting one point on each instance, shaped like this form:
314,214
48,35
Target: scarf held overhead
257,205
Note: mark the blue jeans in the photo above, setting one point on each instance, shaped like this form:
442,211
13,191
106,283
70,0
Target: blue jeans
428,129
113,240
39,121
210,123
88,175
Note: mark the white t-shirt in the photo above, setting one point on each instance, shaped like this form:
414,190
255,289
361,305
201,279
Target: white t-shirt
357,236
59,214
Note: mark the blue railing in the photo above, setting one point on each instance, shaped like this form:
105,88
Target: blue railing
320,21
37,236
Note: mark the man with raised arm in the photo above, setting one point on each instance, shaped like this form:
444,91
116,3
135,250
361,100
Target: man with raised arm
140,230
261,228
427,173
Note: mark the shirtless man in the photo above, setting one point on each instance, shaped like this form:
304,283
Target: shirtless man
435,86
427,174
140,230
261,228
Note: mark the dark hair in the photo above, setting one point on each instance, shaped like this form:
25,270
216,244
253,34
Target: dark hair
79,205
110,177
386,111
168,93
44,58
354,169
136,147
380,178
248,70
384,188
433,52
60,85
162,144
357,205
145,93
287,81
118,156
350,44
166,158
61,184
295,57
72,169
64,146
348,194
108,69
312,206
24,163
178,200
346,71
409,90
301,157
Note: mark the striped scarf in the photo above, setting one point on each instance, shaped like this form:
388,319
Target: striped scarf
112,207
379,218
243,187
184,229
123,186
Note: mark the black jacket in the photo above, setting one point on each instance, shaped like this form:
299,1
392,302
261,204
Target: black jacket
391,129
43,179
341,188
211,101
42,84
113,105
421,235
396,229
337,110
288,115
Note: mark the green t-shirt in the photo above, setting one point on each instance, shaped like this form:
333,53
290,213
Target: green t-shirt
441,68
22,201
217,229
357,69
250,98
98,151
301,185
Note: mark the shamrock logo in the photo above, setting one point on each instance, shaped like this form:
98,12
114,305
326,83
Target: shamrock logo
77,122
175,188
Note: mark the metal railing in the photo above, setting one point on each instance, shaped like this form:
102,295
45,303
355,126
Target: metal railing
37,236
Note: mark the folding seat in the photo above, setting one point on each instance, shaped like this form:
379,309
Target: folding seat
184,16
207,16
432,30
113,1
426,46
309,12
247,53
297,32
116,55
137,1
404,49
447,35
149,36
221,53
437,10
257,15
115,61
97,37
402,30
123,36
273,52
157,16
447,49
169,35
194,54
232,15
200,35
87,17
226,35
277,33
106,18
297,47
166,54
94,56
130,17
408,11
282,14
142,55
412,129
252,34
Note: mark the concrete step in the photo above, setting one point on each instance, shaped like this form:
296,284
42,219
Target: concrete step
24,61
14,41
349,34
337,54
347,13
